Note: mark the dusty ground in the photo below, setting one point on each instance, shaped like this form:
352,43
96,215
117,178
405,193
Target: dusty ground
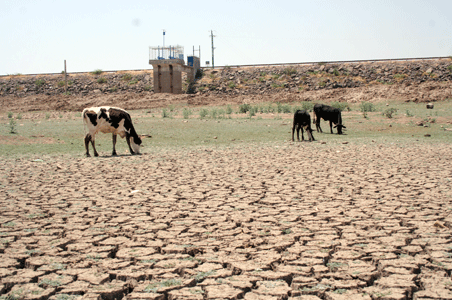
252,222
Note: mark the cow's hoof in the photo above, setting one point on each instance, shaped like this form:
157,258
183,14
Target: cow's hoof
114,154
96,154
87,155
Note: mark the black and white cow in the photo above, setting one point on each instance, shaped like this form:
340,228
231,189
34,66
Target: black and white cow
302,119
328,113
110,120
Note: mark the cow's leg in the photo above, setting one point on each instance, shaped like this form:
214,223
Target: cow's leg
94,146
331,126
87,140
298,132
293,131
317,125
309,131
128,143
114,145
302,133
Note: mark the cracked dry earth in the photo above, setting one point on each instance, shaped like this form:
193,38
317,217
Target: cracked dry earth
280,221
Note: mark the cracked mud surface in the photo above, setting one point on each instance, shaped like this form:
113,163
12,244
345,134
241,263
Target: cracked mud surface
283,221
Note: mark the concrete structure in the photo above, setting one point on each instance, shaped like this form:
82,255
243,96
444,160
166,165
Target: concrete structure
168,65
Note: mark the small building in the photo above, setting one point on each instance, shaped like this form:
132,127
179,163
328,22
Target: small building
168,64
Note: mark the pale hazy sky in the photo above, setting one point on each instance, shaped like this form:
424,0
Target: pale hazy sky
36,36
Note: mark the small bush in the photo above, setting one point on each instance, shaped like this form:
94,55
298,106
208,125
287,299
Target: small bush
228,109
165,113
97,72
19,117
409,113
290,71
308,106
252,111
40,82
244,108
213,113
389,112
10,114
203,113
366,107
12,126
336,72
342,106
231,85
127,77
102,80
61,83
186,113
134,81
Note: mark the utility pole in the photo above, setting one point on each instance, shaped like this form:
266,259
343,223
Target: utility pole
213,48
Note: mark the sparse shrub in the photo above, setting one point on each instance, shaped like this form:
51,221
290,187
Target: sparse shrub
388,113
203,113
308,106
61,83
342,106
97,72
231,85
213,113
221,113
127,77
101,80
47,116
336,72
366,107
290,71
12,126
40,82
252,111
409,113
228,109
134,81
147,88
322,83
19,117
10,114
244,108
186,113
165,113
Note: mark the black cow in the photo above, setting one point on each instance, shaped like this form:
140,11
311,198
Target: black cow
328,113
302,119
110,120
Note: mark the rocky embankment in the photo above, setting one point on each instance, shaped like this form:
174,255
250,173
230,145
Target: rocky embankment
240,81
416,80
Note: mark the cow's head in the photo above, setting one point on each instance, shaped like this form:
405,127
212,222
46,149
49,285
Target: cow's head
135,143
339,128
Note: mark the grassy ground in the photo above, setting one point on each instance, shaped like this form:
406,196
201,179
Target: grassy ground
52,133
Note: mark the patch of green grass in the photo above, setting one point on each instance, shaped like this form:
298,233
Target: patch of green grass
40,82
366,107
390,112
97,72
101,80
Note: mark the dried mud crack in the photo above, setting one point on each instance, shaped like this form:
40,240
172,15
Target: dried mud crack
249,222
